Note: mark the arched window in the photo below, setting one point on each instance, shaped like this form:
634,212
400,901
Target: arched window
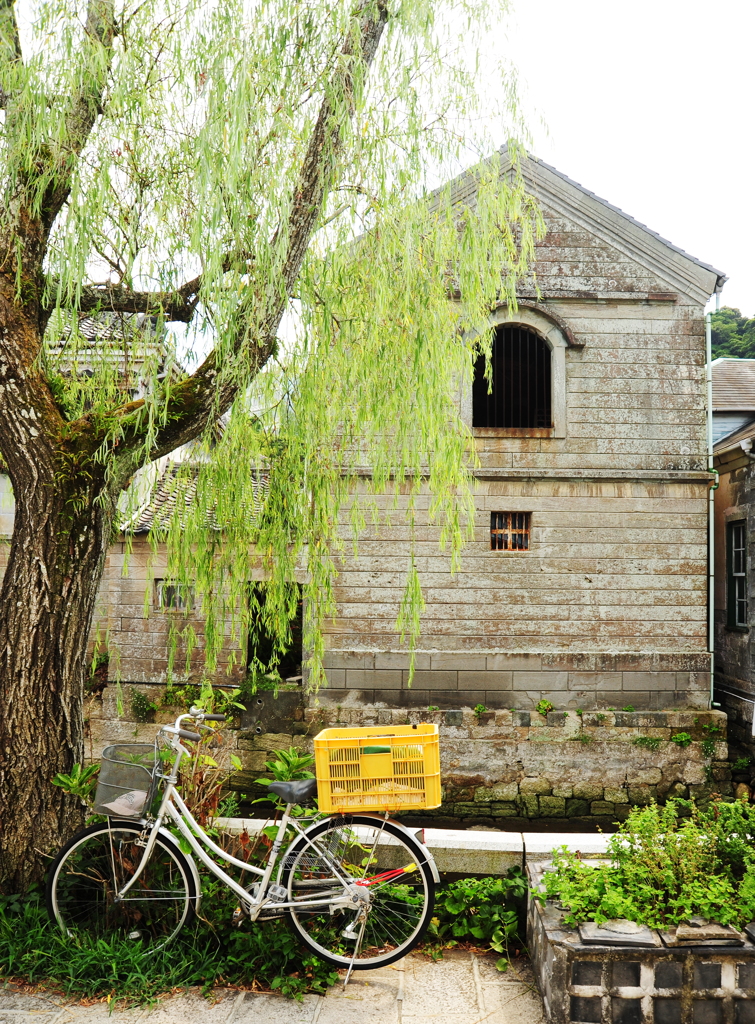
520,396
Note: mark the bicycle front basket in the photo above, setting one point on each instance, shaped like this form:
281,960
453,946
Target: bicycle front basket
127,780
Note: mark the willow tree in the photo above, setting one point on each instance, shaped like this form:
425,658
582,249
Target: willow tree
219,164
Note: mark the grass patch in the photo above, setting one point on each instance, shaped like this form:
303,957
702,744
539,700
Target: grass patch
211,952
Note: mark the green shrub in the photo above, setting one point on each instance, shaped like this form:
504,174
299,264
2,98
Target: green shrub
741,764
543,707
479,709
484,911
668,864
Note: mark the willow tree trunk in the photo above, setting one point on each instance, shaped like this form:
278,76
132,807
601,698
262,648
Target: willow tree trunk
48,598
62,529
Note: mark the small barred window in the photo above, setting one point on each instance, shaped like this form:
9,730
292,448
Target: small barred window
510,531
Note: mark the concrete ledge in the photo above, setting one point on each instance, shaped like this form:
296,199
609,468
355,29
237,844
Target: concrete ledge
458,851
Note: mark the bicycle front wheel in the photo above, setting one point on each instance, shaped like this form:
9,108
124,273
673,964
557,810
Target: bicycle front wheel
94,866
392,886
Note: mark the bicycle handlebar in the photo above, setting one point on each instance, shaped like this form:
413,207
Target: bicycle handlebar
185,734
214,718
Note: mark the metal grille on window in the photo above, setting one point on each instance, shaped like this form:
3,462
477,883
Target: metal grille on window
520,395
738,562
510,531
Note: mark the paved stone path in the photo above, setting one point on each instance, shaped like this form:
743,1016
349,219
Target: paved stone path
459,989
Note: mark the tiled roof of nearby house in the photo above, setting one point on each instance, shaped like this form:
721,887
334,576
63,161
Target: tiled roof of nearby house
175,489
733,384
732,440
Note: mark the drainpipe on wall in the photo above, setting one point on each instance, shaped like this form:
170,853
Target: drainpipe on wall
711,506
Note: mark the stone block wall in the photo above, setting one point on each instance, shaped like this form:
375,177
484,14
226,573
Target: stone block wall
569,681
497,767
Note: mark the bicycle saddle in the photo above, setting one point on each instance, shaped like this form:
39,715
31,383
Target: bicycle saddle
297,792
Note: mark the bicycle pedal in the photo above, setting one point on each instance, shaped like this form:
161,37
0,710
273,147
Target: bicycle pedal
238,916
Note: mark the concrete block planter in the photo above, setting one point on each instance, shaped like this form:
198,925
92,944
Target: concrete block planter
591,984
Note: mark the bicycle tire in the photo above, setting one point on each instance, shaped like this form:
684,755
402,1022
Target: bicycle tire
401,891
92,866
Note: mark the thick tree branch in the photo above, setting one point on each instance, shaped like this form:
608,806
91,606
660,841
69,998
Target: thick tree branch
84,107
209,392
116,298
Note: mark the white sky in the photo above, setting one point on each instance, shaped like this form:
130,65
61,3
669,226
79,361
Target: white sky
649,104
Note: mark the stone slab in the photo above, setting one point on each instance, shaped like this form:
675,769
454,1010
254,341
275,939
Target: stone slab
459,989
477,852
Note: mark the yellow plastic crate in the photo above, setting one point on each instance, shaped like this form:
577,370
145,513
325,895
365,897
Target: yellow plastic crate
378,768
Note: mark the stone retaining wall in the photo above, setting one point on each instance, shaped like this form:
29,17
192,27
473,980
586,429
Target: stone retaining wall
512,766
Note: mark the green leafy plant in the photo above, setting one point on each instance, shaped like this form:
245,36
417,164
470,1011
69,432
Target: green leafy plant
479,709
682,739
629,707
81,782
648,742
667,864
142,708
182,697
543,707
288,765
741,764
579,712
484,911
708,746
432,707
601,717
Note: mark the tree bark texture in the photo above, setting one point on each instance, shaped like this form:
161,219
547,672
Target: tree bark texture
62,530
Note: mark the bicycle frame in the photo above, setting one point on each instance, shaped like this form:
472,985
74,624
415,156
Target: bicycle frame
173,807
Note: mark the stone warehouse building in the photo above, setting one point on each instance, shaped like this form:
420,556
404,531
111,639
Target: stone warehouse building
586,582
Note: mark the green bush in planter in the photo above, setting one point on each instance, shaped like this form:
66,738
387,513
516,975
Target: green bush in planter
668,864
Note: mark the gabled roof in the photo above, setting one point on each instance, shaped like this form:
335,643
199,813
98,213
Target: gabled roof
682,272
733,384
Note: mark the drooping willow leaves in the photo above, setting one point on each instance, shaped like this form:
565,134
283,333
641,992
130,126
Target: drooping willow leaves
186,135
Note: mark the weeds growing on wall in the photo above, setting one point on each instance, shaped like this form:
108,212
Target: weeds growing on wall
668,864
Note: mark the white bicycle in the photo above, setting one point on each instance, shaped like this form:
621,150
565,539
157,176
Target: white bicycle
358,889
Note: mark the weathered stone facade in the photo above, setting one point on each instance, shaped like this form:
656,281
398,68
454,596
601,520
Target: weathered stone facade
609,605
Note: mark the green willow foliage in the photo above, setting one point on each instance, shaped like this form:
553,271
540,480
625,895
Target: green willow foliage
193,168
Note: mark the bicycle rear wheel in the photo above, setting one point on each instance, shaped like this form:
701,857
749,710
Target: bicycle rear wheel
392,881
89,871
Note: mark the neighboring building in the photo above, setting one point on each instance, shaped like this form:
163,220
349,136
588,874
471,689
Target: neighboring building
733,395
586,583
734,504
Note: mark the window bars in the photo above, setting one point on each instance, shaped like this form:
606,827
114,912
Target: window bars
520,396
510,531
